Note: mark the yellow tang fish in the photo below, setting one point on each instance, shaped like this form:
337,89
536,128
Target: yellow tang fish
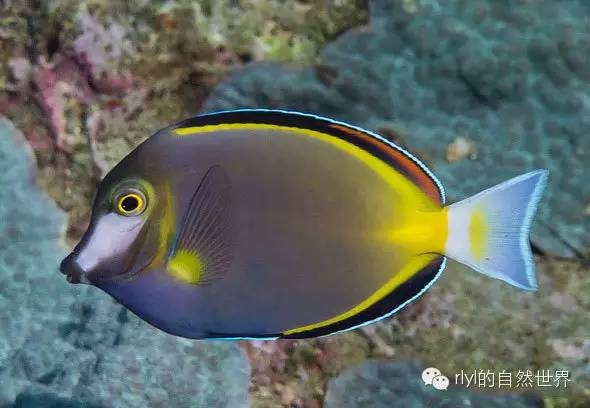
270,224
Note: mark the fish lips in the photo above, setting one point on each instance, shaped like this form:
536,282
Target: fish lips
73,271
137,261
76,274
106,250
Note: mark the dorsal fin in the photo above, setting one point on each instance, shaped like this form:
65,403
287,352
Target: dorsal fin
203,249
385,150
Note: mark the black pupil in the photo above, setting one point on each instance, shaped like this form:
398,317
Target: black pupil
130,203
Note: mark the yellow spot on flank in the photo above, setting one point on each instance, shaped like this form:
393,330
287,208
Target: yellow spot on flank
478,233
186,266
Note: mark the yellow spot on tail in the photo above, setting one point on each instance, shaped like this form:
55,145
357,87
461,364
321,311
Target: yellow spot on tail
478,233
186,266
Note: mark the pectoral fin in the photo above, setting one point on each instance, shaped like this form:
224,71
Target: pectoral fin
203,249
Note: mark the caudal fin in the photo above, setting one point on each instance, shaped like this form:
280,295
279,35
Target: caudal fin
490,231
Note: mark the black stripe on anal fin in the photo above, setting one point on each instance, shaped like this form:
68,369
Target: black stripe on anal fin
392,301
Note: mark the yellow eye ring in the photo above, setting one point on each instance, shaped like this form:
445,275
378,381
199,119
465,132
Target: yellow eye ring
131,203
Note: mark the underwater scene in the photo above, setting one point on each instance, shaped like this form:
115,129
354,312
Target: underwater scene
246,255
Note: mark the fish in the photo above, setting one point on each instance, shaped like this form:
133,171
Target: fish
268,224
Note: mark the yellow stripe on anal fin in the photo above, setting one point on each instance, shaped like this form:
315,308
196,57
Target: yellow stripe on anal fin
478,232
415,264
186,266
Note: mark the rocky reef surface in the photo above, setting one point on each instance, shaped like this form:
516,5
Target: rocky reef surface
481,90
385,384
71,346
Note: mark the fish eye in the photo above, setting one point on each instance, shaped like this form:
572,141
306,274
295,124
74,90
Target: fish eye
130,203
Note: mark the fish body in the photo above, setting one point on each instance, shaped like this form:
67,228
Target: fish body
272,224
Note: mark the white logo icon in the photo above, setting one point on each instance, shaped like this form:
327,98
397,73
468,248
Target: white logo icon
433,376
440,382
429,374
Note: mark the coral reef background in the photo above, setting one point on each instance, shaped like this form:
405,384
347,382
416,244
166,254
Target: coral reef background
481,90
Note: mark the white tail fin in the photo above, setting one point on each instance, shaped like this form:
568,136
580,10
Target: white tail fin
490,231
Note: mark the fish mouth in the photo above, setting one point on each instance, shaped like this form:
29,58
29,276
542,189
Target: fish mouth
73,271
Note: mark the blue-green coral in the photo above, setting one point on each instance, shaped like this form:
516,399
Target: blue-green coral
270,29
73,345
30,229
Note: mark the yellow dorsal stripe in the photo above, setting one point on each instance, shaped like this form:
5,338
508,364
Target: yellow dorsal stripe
397,181
420,208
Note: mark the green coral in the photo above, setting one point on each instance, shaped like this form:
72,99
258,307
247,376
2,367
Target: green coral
262,29
272,29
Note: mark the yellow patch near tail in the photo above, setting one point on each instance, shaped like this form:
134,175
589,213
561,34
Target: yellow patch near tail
186,266
478,233
422,234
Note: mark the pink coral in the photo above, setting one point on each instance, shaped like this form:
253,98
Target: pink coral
54,83
102,47
21,69
50,98
82,73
